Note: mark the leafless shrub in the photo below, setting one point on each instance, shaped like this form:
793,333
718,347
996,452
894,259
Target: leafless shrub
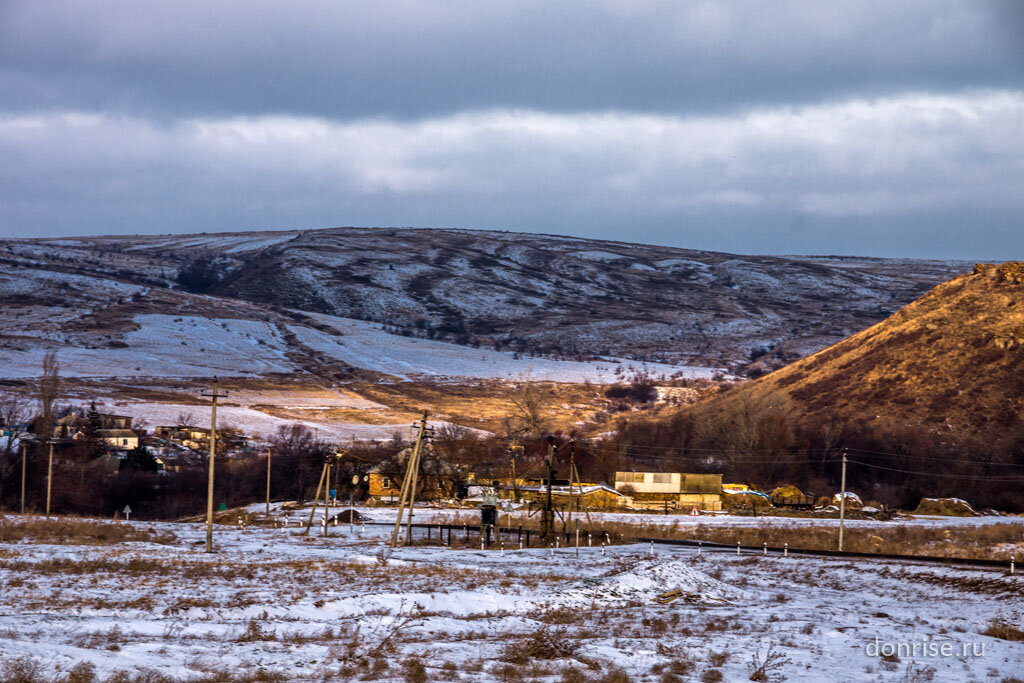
615,676
717,659
571,674
918,673
139,676
254,631
413,671
83,672
767,666
544,643
22,670
1001,629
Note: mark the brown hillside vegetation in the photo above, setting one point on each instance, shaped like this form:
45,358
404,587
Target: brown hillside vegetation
951,361
928,402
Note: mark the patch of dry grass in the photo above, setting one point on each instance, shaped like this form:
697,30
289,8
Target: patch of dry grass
1003,630
75,531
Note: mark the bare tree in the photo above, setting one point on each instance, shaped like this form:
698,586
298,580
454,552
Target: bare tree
754,432
528,409
186,418
46,393
14,413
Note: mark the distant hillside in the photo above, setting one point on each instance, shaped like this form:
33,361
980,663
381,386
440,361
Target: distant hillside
952,361
557,296
928,402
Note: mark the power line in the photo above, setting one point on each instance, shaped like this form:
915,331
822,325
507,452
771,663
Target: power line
944,475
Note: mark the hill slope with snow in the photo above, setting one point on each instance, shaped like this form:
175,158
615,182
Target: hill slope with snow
557,296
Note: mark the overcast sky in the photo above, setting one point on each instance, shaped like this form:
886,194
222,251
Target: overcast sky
875,128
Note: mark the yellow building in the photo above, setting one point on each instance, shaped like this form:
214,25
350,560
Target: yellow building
675,489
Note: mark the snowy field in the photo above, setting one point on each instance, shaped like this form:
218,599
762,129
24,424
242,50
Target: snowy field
454,516
256,423
271,601
192,346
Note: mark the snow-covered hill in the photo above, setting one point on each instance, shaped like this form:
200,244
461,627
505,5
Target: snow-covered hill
556,296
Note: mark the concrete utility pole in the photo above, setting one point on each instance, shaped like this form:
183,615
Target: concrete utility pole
49,481
23,448
268,480
213,453
547,519
408,492
842,502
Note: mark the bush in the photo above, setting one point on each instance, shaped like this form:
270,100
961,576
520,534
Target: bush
544,643
1000,629
413,671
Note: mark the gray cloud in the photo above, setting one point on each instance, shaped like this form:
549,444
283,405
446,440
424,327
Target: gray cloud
824,168
410,59
870,127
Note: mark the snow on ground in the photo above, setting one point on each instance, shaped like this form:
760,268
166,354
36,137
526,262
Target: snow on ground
365,345
314,608
193,346
259,424
684,521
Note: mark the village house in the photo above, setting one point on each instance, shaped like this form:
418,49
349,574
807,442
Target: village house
115,430
119,439
579,497
187,435
672,489
437,479
71,425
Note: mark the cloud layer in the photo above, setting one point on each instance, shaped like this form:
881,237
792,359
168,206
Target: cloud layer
797,127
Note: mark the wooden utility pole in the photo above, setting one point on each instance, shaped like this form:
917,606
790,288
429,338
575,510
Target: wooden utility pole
574,475
409,483
572,469
268,480
842,502
23,448
516,447
213,456
49,481
316,498
547,519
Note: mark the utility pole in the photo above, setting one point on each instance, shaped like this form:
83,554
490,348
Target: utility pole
316,497
213,453
574,475
269,450
23,448
547,521
572,468
408,492
516,447
842,502
49,480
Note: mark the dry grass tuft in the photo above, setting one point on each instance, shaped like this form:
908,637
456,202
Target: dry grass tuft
1003,630
75,531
